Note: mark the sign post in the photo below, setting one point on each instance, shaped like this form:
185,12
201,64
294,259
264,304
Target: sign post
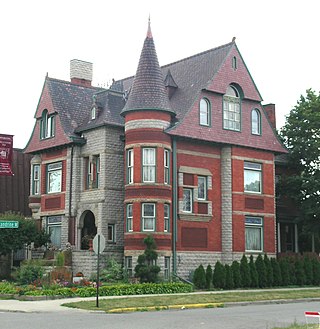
99,243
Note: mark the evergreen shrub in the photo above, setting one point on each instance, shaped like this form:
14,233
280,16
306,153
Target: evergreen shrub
199,277
209,274
219,276
235,267
245,272
253,273
262,273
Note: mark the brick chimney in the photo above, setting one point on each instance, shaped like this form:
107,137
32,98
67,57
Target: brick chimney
270,110
81,72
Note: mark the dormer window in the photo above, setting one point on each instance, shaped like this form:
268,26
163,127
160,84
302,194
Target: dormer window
204,112
47,125
93,113
231,109
255,122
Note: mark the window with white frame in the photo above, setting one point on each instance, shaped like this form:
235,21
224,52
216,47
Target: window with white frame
231,109
166,268
148,217
255,122
252,177
36,179
204,112
95,171
46,125
130,166
166,161
166,217
54,177
93,113
202,188
111,233
254,233
187,200
129,218
149,165
128,266
54,229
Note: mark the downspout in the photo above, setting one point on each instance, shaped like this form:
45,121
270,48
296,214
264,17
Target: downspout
174,204
70,197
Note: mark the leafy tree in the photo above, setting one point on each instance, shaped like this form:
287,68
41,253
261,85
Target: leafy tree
269,271
229,277
209,274
253,273
245,272
235,267
277,278
199,277
15,239
262,273
219,275
301,135
146,269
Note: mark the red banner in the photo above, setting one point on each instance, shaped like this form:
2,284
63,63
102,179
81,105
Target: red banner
6,145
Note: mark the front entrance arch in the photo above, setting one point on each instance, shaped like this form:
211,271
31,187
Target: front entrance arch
89,229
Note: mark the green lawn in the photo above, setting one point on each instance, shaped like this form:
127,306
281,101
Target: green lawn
158,302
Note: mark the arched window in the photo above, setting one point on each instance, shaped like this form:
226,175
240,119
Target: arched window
93,113
46,125
255,122
204,112
231,109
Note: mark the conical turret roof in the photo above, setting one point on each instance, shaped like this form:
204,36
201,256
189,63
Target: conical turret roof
148,91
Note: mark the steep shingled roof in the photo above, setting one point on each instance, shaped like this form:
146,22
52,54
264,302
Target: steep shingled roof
148,90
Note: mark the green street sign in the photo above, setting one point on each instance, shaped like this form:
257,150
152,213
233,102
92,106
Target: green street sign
9,224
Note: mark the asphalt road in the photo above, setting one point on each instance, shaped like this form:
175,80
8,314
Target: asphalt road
246,317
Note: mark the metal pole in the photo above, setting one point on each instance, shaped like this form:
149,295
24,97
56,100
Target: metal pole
98,265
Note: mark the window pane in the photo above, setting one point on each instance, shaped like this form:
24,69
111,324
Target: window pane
252,181
202,187
253,238
187,196
54,181
148,209
55,235
204,112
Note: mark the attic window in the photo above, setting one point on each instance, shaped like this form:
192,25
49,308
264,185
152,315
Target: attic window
93,113
234,63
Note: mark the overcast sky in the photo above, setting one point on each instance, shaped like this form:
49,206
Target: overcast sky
279,41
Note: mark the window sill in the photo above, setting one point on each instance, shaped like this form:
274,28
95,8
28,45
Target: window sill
195,217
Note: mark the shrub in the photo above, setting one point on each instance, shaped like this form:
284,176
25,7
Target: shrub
30,272
199,277
209,274
316,271
113,271
308,270
277,277
300,273
219,276
235,267
59,259
269,271
253,273
284,267
262,273
245,272
229,277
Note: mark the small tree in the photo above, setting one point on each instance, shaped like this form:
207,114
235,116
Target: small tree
199,277
299,273
209,274
146,269
277,278
229,277
235,267
253,273
262,273
219,276
245,272
269,270
308,270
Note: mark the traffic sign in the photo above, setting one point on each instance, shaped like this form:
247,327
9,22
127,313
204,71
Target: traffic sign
9,224
99,243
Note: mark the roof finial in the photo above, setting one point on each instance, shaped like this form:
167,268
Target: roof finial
149,33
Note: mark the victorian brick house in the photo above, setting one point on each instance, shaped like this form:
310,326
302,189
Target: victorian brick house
184,152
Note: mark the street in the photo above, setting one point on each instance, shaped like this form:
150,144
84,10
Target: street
240,317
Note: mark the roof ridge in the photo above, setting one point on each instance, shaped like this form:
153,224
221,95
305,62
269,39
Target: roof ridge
74,84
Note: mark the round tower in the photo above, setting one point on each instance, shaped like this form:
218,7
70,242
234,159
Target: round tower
148,162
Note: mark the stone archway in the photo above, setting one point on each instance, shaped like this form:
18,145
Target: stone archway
88,230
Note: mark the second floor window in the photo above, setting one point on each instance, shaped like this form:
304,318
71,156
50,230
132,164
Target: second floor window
187,200
36,179
202,188
166,218
148,217
166,166
149,165
54,177
130,166
129,218
92,172
252,177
